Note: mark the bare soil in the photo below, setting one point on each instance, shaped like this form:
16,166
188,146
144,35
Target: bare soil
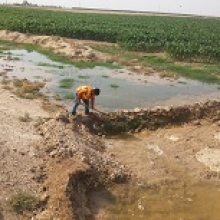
40,158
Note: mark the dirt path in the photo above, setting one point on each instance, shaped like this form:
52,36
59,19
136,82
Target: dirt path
18,155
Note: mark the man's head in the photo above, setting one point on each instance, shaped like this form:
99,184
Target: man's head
96,91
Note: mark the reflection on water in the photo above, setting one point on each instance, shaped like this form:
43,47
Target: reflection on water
120,89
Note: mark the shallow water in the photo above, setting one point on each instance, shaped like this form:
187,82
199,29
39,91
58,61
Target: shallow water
179,201
120,89
178,196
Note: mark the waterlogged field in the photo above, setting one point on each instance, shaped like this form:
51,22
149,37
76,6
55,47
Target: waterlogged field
120,89
191,38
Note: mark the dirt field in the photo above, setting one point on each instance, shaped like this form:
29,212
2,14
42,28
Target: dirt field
40,161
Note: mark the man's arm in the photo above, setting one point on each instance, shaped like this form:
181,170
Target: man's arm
92,102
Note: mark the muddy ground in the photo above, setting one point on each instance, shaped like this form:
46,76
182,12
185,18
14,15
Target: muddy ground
47,153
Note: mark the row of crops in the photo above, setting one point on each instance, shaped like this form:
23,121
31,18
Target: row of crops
181,37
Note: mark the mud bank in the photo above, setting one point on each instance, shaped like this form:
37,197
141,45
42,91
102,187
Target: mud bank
139,119
77,165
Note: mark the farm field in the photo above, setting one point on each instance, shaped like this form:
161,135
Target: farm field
193,38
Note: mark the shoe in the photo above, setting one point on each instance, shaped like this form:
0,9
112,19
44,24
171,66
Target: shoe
73,113
87,113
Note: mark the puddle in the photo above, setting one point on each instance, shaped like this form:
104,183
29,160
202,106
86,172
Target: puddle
178,201
120,89
178,198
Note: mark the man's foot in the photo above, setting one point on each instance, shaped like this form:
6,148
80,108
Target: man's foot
87,113
73,113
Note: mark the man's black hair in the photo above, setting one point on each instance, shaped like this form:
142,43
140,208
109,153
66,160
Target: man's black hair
96,91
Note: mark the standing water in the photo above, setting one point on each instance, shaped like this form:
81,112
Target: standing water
120,89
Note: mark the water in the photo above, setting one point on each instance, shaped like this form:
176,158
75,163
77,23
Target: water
166,188
120,89
173,202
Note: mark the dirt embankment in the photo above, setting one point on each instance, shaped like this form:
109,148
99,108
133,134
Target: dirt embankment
51,157
139,119
71,48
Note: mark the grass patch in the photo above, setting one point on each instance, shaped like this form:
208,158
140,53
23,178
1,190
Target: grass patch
25,118
69,96
23,201
66,83
114,86
105,76
205,72
50,65
5,81
83,77
112,50
51,107
27,89
39,121
208,73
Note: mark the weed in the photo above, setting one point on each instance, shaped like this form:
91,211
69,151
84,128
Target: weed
23,201
50,65
25,118
105,76
3,73
5,81
7,87
69,96
114,86
83,77
50,107
27,89
66,83
39,121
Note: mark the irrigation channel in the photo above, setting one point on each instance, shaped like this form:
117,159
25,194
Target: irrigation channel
178,197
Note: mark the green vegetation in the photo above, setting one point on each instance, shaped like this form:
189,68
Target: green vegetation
23,201
114,86
25,118
66,83
105,76
50,65
69,96
7,45
27,89
183,39
193,38
83,77
206,73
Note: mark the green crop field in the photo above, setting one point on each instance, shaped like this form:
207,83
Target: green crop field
188,38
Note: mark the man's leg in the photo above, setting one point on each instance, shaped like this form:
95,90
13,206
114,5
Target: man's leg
75,105
86,102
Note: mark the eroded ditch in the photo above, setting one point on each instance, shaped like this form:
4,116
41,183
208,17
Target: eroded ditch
167,181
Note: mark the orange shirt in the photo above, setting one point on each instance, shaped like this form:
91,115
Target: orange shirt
85,92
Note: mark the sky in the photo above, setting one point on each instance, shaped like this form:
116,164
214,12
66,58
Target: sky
197,7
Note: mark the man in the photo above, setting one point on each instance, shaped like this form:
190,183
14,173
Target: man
85,93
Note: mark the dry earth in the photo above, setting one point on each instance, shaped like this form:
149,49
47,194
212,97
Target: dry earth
41,158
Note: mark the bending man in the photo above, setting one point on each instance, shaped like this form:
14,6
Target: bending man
85,93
